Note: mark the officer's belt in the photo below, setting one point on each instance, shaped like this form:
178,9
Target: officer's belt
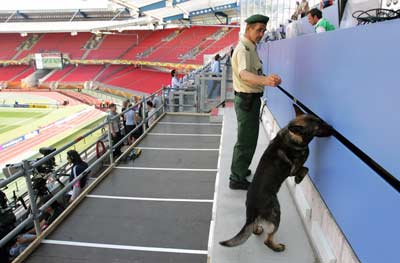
246,95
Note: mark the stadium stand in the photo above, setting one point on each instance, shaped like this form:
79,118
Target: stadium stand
114,46
9,44
187,45
24,74
229,39
152,41
82,97
180,45
146,81
82,73
58,74
71,46
110,71
10,72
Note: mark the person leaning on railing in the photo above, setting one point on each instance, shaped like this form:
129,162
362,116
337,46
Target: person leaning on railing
248,83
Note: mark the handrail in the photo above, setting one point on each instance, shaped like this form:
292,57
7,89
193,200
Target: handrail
382,172
30,166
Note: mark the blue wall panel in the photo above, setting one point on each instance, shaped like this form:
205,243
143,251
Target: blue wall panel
351,79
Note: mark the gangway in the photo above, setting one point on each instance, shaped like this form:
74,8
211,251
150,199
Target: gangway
156,208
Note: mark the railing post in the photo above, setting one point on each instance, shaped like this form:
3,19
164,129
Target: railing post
27,173
110,142
223,84
144,113
163,99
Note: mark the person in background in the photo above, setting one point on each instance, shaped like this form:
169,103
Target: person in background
294,28
50,214
248,83
115,128
175,84
125,104
130,123
216,69
78,167
325,3
152,116
304,8
320,24
297,11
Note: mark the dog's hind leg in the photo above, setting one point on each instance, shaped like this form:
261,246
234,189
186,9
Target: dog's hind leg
269,242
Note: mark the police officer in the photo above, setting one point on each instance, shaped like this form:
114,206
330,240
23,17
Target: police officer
248,83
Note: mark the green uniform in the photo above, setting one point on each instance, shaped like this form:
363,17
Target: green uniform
245,57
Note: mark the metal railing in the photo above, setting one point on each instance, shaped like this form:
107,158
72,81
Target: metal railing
29,167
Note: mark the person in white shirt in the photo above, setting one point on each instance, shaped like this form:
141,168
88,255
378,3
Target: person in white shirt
215,68
152,116
294,28
175,84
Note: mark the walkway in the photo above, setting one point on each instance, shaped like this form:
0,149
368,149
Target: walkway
154,209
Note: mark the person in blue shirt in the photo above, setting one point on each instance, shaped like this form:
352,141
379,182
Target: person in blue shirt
216,69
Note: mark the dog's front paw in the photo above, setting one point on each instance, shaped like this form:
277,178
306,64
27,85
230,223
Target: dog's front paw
298,179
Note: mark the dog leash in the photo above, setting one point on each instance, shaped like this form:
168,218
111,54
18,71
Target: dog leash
382,172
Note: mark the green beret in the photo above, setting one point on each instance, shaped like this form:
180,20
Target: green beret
257,19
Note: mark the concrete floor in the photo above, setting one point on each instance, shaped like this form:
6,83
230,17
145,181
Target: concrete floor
141,213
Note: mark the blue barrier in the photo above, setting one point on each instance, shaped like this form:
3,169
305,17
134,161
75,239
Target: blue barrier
350,78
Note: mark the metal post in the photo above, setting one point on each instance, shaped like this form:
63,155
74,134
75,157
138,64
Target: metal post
223,84
27,173
144,113
163,99
110,143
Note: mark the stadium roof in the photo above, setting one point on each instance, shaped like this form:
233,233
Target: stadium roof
93,15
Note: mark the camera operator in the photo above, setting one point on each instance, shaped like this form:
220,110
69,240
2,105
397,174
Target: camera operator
78,166
7,223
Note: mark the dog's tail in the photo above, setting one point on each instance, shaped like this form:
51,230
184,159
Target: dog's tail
241,237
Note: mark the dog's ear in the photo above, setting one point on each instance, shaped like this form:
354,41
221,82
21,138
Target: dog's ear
297,129
297,110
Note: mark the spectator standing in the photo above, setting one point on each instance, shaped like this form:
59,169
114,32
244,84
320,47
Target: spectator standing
151,114
78,167
130,123
216,70
248,83
115,128
304,8
294,28
175,84
320,24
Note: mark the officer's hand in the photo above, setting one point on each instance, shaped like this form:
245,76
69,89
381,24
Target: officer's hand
272,80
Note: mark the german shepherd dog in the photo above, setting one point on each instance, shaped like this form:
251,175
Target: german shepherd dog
284,157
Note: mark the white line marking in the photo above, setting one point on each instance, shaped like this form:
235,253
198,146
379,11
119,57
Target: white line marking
164,169
176,149
152,199
121,247
185,134
190,123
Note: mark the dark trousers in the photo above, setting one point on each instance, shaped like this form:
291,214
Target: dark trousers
115,140
247,136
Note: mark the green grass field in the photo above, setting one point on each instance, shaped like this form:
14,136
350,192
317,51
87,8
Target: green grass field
19,186
15,122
